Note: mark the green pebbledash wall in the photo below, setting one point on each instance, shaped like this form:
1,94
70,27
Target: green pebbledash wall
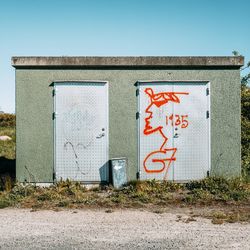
34,108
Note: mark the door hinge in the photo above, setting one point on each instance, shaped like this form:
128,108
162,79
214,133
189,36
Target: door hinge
138,175
54,115
54,176
208,174
137,92
207,91
137,115
54,92
207,114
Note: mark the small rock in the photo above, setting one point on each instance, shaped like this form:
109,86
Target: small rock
189,220
5,138
108,211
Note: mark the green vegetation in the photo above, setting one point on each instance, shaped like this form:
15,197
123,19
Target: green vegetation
8,148
245,119
7,120
7,153
217,189
245,130
228,200
144,194
7,127
219,217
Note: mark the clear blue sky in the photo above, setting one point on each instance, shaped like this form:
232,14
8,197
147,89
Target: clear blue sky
118,27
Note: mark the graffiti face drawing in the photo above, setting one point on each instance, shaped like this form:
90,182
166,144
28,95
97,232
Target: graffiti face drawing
160,160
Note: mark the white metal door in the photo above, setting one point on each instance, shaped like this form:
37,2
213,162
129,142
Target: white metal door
174,130
81,131
156,140
191,136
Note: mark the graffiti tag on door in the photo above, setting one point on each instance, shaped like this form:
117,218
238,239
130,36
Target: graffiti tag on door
161,158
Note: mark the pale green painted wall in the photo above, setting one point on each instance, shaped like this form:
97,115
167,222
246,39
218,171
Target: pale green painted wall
34,107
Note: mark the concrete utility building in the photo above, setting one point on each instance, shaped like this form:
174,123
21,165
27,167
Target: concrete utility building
173,118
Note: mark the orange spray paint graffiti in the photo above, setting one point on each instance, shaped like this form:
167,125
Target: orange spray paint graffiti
164,155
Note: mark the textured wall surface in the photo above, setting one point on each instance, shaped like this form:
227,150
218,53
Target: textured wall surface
34,107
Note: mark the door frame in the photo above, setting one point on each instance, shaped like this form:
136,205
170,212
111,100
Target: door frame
55,83
140,83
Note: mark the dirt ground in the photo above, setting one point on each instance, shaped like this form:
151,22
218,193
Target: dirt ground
119,229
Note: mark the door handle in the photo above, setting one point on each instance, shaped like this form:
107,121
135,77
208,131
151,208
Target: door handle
100,135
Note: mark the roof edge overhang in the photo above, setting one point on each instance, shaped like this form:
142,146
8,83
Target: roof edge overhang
128,62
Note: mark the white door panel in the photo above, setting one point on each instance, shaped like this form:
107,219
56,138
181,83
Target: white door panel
81,131
191,141
173,130
156,141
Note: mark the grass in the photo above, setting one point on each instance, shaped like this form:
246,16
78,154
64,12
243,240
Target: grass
7,158
8,148
217,189
152,195
220,217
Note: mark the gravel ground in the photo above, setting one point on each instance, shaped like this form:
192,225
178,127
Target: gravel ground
121,229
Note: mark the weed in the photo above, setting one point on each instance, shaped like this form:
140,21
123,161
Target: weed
213,184
158,211
117,198
8,183
135,204
217,221
232,218
36,206
7,120
153,186
219,215
63,203
46,196
141,196
4,202
218,189
68,187
20,190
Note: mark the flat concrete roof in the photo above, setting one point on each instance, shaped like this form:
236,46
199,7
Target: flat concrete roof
136,62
